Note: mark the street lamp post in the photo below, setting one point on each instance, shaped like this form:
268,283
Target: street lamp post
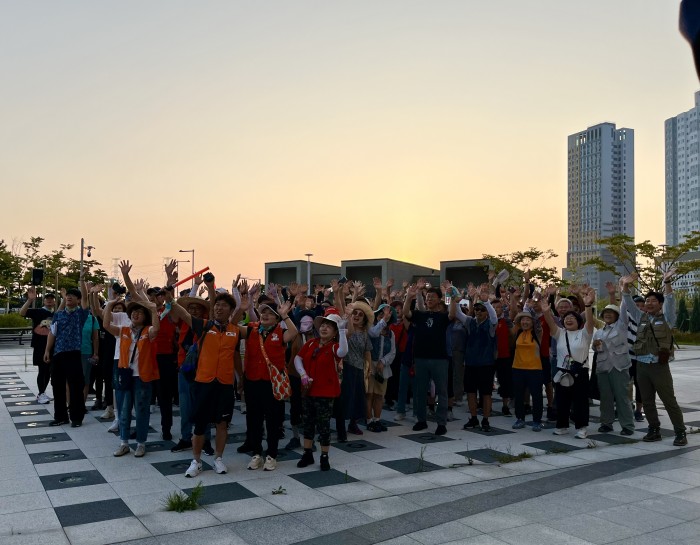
189,252
82,251
308,273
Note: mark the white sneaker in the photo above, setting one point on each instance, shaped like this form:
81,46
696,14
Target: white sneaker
581,433
220,466
122,450
48,396
561,431
256,462
140,451
42,398
194,469
270,464
399,417
108,414
114,426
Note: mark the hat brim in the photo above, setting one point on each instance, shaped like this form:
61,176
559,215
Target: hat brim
134,305
184,302
266,306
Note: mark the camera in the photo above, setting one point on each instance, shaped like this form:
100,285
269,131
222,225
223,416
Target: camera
208,277
342,280
118,289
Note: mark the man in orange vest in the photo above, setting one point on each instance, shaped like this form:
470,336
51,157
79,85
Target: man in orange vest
214,396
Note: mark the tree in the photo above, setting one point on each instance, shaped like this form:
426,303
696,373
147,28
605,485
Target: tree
516,263
649,261
695,316
683,318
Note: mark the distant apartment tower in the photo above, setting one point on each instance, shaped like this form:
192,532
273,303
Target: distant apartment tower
600,198
682,192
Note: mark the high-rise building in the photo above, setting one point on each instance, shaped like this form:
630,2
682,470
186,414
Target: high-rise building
600,197
682,192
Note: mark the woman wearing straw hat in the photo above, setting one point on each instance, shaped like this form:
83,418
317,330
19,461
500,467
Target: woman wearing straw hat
319,365
527,369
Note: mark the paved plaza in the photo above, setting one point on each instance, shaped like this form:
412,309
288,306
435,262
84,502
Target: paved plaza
62,485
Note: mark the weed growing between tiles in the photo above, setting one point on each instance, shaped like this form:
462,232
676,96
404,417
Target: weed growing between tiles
181,502
280,490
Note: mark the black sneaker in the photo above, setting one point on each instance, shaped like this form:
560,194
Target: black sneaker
506,411
325,464
485,426
207,448
654,434
59,422
307,459
605,428
78,424
244,448
182,446
681,440
473,422
440,430
420,426
625,431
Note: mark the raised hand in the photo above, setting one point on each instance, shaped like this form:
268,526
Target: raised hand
389,284
125,267
63,293
377,283
386,314
319,288
303,289
589,297
669,274
272,291
421,283
412,290
254,290
170,272
284,309
404,284
491,275
293,289
245,300
612,288
31,293
243,287
198,280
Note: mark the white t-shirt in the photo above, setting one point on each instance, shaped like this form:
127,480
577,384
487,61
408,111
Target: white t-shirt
119,319
579,342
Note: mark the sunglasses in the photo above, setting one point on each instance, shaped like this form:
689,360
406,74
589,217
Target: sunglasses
358,313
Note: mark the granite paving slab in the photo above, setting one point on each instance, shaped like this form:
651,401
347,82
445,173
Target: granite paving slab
219,493
357,445
410,466
84,513
553,447
73,479
57,456
426,438
318,479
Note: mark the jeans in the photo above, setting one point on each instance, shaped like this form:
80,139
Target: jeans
186,394
528,379
427,369
404,382
139,395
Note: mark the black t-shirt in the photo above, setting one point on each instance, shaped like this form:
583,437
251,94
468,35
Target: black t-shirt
108,343
41,323
430,334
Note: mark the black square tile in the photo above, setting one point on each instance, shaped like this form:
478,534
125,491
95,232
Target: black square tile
21,388
494,431
487,455
72,480
235,438
318,479
357,446
8,374
9,396
176,467
219,493
19,411
694,424
411,465
57,456
552,447
284,455
20,403
426,438
32,425
156,446
613,438
97,511
44,439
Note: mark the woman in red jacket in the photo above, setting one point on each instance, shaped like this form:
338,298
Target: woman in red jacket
318,364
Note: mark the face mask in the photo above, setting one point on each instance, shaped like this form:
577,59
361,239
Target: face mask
306,324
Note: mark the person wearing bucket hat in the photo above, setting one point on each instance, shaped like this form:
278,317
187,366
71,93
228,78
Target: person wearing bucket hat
653,348
527,369
351,403
383,353
319,364
612,369
573,343
137,369
266,343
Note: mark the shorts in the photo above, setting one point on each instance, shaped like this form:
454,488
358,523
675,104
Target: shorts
213,402
374,387
479,378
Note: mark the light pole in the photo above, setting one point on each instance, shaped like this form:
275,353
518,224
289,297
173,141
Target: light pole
82,251
189,252
308,273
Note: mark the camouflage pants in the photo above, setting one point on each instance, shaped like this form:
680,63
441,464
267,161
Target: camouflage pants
317,417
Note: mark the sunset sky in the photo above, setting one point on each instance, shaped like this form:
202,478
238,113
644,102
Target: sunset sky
260,131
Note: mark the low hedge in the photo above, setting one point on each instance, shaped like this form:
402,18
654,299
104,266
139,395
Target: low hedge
14,320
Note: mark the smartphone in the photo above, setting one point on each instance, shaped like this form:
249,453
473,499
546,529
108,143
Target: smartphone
208,277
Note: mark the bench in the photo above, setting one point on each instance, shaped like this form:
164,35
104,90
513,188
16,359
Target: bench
11,334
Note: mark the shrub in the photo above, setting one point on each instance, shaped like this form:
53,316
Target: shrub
14,320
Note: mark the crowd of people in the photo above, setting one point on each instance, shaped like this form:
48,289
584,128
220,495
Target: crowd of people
333,354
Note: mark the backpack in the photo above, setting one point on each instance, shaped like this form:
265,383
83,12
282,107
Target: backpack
189,365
